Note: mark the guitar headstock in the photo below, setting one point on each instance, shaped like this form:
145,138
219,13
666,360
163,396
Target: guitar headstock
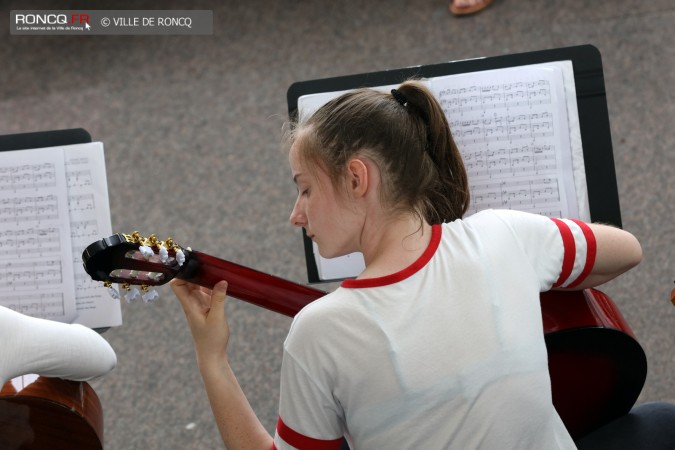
133,260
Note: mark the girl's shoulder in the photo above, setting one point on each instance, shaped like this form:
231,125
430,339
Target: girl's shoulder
324,310
499,218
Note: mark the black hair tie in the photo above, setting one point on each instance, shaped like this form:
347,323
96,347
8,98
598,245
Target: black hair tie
399,97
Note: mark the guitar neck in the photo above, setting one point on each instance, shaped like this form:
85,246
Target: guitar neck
261,289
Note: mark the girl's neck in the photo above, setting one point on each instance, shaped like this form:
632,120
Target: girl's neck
390,246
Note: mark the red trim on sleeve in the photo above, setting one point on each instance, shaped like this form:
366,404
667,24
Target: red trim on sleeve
570,251
591,251
300,441
436,233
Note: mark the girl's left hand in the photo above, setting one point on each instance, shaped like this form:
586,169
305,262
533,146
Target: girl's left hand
205,313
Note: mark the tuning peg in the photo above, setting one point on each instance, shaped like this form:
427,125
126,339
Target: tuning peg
111,290
163,254
150,295
180,257
146,251
136,237
132,295
152,240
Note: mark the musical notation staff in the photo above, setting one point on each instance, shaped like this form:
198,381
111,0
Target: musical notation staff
33,208
81,202
24,176
30,242
44,305
32,275
514,160
495,96
79,178
524,194
503,128
84,228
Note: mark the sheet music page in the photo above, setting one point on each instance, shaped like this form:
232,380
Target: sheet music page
35,252
89,222
512,130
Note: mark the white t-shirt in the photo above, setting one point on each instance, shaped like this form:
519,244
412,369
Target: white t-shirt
449,353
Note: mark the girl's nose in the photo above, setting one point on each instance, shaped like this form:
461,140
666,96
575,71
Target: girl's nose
297,218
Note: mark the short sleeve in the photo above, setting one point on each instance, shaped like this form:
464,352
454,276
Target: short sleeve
579,250
561,251
309,416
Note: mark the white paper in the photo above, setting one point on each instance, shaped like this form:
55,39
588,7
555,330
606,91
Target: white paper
89,222
512,130
41,253
35,252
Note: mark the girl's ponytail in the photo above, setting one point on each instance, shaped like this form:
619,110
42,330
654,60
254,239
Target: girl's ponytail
448,197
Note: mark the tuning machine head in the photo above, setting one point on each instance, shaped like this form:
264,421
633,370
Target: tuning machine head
167,251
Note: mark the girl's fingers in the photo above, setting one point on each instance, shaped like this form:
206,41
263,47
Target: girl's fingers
217,301
198,300
189,296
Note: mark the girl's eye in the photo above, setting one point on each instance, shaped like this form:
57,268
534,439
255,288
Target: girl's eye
305,192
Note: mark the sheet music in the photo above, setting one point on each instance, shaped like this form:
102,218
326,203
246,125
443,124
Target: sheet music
512,130
54,203
89,221
35,235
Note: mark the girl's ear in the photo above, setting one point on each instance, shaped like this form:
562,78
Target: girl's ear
358,177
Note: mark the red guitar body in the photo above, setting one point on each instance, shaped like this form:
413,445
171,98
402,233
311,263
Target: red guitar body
597,366
39,413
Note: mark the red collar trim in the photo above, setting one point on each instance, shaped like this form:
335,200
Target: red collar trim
436,232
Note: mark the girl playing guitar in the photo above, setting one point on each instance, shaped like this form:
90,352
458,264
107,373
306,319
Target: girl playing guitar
438,343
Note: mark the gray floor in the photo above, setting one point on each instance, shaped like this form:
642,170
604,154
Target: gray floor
191,127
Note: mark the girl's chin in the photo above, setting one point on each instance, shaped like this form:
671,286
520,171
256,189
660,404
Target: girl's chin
327,254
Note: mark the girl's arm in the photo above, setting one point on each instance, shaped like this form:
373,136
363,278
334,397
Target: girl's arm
617,252
205,313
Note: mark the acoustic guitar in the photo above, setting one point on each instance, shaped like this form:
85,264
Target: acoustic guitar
39,413
597,366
